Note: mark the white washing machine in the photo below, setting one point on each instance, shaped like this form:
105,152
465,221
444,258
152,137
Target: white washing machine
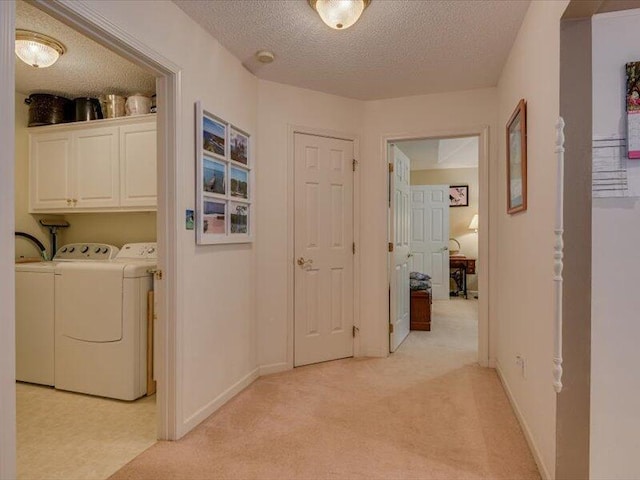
101,323
35,310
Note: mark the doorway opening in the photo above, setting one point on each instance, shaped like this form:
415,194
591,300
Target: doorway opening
437,194
91,379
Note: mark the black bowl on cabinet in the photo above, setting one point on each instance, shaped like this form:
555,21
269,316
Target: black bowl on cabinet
87,108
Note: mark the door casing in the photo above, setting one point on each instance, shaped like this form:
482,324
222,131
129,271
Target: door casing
84,19
485,262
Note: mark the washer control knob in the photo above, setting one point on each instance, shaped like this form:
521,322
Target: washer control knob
72,249
64,250
97,250
105,250
84,249
151,250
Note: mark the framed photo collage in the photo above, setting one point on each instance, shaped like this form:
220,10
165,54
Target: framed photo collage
224,181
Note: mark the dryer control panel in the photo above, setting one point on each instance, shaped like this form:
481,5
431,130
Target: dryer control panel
138,251
86,251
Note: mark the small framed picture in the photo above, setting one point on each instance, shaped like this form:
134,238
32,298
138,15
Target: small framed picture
239,216
214,177
214,217
459,195
214,136
239,183
239,146
517,159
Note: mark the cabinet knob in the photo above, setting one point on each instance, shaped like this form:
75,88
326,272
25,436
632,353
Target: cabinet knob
74,201
68,201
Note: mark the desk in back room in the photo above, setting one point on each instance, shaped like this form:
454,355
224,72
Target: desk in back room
459,268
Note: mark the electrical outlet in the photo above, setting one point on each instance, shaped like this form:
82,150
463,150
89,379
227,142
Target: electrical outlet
520,361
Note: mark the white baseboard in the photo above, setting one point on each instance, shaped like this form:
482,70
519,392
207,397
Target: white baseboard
220,400
274,368
544,473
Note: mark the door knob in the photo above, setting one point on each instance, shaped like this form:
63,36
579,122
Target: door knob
303,263
444,249
409,255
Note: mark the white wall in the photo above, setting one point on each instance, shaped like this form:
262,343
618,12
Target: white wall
216,324
615,325
281,106
524,273
426,115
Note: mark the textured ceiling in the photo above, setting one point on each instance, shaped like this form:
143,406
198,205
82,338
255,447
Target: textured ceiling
86,69
397,48
441,153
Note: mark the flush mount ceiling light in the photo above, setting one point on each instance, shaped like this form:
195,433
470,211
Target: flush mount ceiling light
265,56
36,49
339,14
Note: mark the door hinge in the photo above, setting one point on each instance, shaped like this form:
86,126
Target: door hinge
391,246
355,330
156,272
391,168
354,248
391,328
355,164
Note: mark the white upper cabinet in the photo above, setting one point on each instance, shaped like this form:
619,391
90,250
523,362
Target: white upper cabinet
103,165
50,165
96,175
138,165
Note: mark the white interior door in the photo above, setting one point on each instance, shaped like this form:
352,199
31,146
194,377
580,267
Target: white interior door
399,233
430,235
323,249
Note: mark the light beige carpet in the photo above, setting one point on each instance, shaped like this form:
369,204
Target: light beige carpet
70,436
426,412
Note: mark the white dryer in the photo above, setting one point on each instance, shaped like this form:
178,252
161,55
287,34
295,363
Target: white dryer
100,323
35,310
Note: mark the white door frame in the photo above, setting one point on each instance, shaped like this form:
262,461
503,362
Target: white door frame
7,243
292,130
83,18
483,212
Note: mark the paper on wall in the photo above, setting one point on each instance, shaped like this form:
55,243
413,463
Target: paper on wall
609,167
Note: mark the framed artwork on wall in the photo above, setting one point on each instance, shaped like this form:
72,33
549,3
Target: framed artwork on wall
224,176
459,195
517,159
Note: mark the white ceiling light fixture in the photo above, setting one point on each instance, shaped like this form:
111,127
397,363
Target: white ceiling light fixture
265,56
36,49
339,14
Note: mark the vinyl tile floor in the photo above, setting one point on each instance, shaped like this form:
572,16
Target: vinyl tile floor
70,436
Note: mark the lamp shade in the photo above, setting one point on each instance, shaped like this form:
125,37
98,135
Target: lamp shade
474,223
37,50
339,14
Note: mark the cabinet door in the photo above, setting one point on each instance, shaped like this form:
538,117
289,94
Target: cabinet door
96,168
138,165
49,167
